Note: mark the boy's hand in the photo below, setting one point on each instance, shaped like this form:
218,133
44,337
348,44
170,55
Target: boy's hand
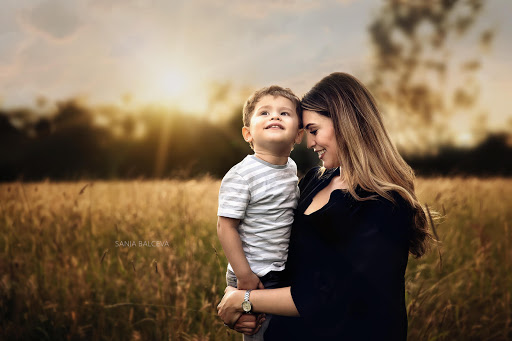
249,324
250,282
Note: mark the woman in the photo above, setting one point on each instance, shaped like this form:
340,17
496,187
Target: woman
357,221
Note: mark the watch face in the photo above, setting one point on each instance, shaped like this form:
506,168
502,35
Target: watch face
246,306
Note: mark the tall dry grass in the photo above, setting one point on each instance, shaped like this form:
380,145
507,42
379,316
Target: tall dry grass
62,276
462,289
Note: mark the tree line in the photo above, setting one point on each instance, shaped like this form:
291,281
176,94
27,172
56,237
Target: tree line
79,142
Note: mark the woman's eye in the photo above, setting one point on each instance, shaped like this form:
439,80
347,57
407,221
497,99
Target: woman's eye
313,132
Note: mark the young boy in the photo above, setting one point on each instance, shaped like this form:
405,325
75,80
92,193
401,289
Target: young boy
258,195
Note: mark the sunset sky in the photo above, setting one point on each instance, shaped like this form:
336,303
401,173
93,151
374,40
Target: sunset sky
169,51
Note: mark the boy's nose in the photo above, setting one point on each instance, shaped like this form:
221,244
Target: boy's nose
275,116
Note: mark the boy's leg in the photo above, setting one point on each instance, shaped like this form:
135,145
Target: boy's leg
231,281
272,280
259,335
230,278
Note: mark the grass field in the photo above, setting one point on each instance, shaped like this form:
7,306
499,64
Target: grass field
64,277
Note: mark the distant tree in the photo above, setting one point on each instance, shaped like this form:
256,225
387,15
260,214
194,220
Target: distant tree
492,157
12,142
415,74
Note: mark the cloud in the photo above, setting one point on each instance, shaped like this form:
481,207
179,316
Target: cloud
7,20
265,8
108,5
56,20
8,43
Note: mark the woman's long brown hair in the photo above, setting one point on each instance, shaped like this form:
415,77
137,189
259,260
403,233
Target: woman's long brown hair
367,155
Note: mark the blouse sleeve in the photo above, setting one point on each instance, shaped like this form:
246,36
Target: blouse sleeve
354,280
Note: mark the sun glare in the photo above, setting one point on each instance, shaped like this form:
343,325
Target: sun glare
174,87
172,84
465,139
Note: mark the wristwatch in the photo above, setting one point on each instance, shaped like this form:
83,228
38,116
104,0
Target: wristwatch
246,304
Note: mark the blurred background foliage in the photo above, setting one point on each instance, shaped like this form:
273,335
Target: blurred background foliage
415,77
75,143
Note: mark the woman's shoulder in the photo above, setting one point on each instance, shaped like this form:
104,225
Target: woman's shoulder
394,207
392,218
310,176
311,173
399,203
319,173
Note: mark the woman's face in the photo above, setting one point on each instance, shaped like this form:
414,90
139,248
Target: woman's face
320,137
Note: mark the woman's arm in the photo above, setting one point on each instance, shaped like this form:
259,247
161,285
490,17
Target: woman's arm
272,301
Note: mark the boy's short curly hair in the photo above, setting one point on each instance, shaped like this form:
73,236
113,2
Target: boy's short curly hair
274,90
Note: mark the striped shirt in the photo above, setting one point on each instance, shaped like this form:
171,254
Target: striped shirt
263,196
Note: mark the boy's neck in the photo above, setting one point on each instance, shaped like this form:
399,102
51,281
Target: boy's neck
272,158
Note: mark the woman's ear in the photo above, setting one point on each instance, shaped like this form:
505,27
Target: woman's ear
246,133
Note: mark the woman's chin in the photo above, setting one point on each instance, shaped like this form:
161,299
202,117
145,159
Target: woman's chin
329,165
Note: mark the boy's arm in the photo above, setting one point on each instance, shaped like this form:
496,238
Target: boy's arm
227,230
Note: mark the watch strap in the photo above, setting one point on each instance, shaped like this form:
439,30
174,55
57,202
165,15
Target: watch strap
247,294
246,304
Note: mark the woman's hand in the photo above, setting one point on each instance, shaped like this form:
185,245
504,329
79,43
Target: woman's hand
230,307
230,311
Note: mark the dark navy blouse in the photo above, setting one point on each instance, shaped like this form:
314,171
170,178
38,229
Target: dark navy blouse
346,265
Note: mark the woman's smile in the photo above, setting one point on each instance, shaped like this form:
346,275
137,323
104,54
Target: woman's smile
321,137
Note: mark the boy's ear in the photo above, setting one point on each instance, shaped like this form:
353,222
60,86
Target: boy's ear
300,135
246,133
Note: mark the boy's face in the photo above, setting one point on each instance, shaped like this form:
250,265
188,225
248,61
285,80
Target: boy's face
274,125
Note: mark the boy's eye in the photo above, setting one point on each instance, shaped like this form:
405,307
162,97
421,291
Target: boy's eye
264,113
284,113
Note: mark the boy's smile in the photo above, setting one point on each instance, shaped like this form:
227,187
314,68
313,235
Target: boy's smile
274,126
